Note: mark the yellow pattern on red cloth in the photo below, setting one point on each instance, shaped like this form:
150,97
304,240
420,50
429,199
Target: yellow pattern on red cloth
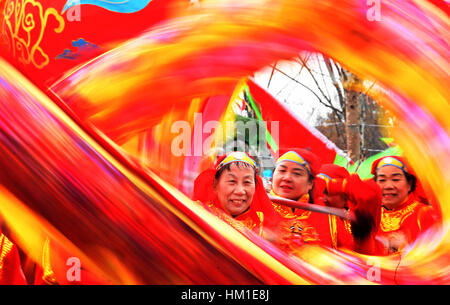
333,231
241,222
348,225
49,276
5,247
401,226
393,220
300,224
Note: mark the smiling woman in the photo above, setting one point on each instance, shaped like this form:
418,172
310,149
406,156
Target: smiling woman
234,192
294,179
235,187
405,211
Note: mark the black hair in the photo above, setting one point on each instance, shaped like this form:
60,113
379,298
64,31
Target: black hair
411,179
238,164
311,179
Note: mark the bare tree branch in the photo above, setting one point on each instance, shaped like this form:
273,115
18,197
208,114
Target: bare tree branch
271,74
335,82
322,74
326,97
337,111
298,74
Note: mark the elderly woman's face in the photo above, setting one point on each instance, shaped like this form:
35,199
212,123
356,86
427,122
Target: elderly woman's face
235,189
394,186
291,180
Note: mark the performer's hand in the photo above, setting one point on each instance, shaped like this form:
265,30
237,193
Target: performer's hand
335,200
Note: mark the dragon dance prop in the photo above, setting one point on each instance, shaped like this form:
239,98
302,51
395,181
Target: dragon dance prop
73,162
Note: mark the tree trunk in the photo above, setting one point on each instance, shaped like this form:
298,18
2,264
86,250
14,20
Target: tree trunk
353,120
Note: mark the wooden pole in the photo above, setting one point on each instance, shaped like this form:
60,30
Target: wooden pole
342,213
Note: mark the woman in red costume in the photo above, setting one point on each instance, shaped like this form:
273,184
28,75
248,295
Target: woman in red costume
405,210
234,192
294,179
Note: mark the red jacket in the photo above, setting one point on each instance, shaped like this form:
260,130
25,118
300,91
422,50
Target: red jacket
401,226
364,200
